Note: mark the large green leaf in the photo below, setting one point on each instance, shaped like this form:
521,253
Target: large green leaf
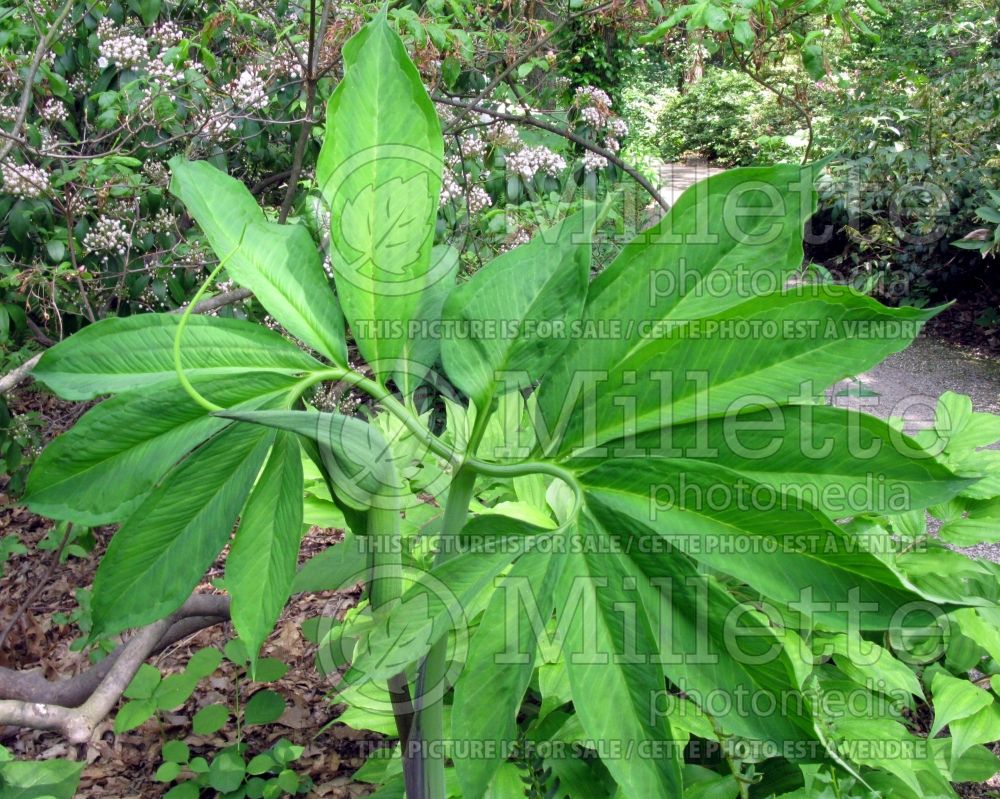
380,172
614,690
121,354
47,779
100,469
499,667
711,646
261,564
766,351
511,320
839,461
697,261
280,264
335,568
792,554
156,559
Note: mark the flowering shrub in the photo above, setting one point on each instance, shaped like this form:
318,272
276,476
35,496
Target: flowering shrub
86,225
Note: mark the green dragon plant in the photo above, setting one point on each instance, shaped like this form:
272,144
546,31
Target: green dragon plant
638,552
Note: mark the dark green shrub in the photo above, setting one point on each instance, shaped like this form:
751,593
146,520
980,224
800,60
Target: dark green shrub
727,118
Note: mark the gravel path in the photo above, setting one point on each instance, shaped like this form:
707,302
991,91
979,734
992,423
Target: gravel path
908,384
677,176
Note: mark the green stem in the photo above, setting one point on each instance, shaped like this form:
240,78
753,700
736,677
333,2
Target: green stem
379,392
428,725
385,587
421,721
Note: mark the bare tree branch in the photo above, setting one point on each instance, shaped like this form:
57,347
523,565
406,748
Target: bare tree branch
38,587
14,377
75,707
312,60
522,58
219,301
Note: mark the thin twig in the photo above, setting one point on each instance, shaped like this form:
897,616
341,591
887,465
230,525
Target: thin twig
315,37
218,301
528,119
743,67
29,79
524,56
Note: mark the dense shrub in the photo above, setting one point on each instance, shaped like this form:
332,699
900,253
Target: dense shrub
916,157
727,118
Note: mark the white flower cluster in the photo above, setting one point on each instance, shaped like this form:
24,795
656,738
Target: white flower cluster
593,161
472,146
529,161
479,199
166,33
163,222
592,116
521,236
119,47
450,190
163,73
48,142
214,125
503,133
8,113
287,64
23,180
157,172
476,199
248,91
445,114
591,95
108,236
595,111
53,111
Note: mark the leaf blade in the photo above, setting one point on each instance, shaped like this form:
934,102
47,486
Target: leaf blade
380,171
261,563
125,353
156,559
280,264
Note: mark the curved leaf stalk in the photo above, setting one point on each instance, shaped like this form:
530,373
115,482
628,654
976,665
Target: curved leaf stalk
192,392
379,392
419,720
